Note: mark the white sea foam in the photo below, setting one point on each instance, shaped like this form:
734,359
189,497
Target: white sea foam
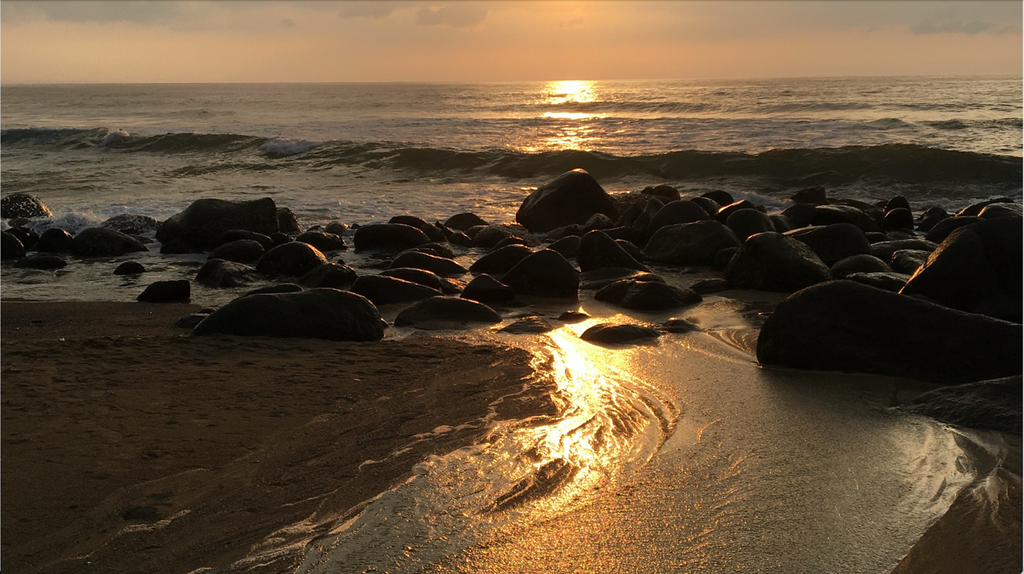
284,147
114,136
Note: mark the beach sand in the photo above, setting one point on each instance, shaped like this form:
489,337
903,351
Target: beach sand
129,446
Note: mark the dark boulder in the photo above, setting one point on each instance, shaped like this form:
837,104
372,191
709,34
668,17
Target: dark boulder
689,243
829,214
943,228
708,286
646,295
677,325
166,292
287,222
896,202
572,197
598,221
682,211
567,246
1001,210
930,218
528,326
544,274
240,251
438,265
600,278
131,223
434,249
747,222
383,290
800,214
718,196
28,237
810,195
488,290
203,222
977,269
898,218
501,261
329,275
388,237
292,259
235,234
976,209
832,243
278,288
130,268
885,249
864,263
605,334
597,250
11,247
55,240
178,246
446,313
774,262
646,217
463,221
103,242
887,280
888,334
220,274
41,261
985,405
421,276
410,220
666,192
726,210
707,204
563,232
781,223
491,235
908,261
317,313
322,241
23,205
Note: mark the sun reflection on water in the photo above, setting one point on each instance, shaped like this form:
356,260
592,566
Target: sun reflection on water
571,130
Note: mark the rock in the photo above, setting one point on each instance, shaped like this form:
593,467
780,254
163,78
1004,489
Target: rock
501,261
27,237
682,211
896,202
434,249
747,222
240,251
562,232
290,260
1001,210
573,317
627,217
726,210
131,224
720,197
438,265
488,290
544,274
421,276
220,274
676,325
907,261
884,249
689,243
42,262
773,262
863,263
930,218
166,292
329,275
647,295
984,405
446,313
23,205
388,237
629,234
888,334
567,246
410,220
383,290
781,223
190,321
11,247
55,240
598,221
943,228
708,286
178,246
279,239
279,288
463,221
887,280
491,235
597,250
322,241
600,278
666,192
130,268
898,218
630,248
528,326
976,209
203,222
618,334
236,234
707,204
102,242
977,269
829,214
800,214
646,217
811,195
317,313
287,222
572,197
832,243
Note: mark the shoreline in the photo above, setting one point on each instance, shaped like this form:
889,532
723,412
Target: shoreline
133,447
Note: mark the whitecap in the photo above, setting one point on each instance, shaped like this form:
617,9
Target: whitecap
284,147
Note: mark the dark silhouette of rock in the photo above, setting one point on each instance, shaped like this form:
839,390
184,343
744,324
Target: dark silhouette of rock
446,313
203,222
178,246
708,286
985,405
800,214
887,280
781,223
528,326
943,228
317,313
1002,210
421,276
829,214
628,217
832,243
647,295
898,218
572,197
600,278
907,261
720,197
773,262
246,251
23,205
235,234
491,235
567,246
811,195
41,261
689,243
131,223
383,290
292,259
646,217
278,288
726,210
322,241
329,275
166,292
410,220
388,237
501,261
666,192
863,263
438,265
433,249
976,208
11,247
597,250
287,222
886,333
707,204
747,222
488,290
598,221
606,334
681,211
26,236
544,274
677,325
55,240
102,242
931,217
130,268
884,249
220,273
463,221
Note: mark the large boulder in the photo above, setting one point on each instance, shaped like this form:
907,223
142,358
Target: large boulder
322,241
438,265
862,263
846,326
572,197
829,214
11,247
488,290
220,273
388,237
446,313
103,242
500,261
292,259
166,292
55,240
131,223
544,274
747,222
596,250
647,295
674,212
988,405
689,243
941,230
240,251
884,250
23,205
203,222
383,290
832,243
976,269
773,262
463,221
329,275
317,313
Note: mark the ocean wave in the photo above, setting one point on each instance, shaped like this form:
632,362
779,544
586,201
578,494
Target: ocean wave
117,139
285,147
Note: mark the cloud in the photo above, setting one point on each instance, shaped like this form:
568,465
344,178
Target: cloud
77,11
462,15
932,27
370,9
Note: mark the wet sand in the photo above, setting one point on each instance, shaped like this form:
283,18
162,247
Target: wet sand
128,446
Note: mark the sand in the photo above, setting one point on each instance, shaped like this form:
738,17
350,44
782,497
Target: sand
129,446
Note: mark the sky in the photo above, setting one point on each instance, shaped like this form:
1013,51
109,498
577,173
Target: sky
465,41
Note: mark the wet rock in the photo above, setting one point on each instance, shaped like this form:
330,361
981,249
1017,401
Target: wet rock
11,247
985,405
773,262
896,202
886,280
491,235
720,197
863,263
1002,210
747,222
178,246
567,246
647,295
130,268
279,288
510,241
563,232
832,243
205,220
800,214
434,249
55,240
287,222
597,250
42,262
528,326
811,195
323,241
383,290
438,265
630,248
388,237
907,261
26,236
463,221
421,276
899,218
544,274
221,274
240,251
666,192
488,290
884,249
976,209
102,242
131,223
290,260
682,211
943,228
446,313
646,217
725,211
781,223
676,325
829,214
573,317
230,235
329,275
689,243
317,313
707,204
618,334
572,197
410,220
931,217
23,205
600,278
628,217
886,333
190,321
501,261
598,221
166,292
